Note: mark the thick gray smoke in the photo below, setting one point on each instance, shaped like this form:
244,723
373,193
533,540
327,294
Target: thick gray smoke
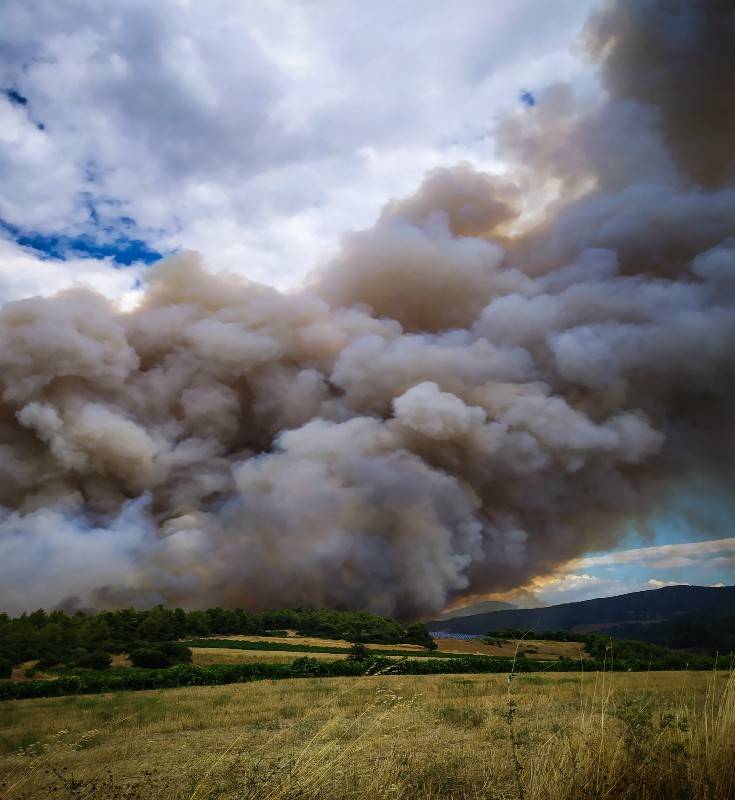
502,373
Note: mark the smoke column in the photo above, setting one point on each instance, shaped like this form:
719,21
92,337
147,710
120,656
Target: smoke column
502,373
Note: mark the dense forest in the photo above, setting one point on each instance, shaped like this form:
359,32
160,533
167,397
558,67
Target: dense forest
83,639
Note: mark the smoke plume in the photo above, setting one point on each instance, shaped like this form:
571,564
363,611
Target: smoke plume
502,373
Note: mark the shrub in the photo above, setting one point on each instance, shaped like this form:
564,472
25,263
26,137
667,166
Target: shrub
6,668
159,656
95,660
418,633
177,651
47,662
150,658
358,652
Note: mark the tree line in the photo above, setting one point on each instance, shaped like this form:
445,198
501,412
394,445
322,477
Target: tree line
82,638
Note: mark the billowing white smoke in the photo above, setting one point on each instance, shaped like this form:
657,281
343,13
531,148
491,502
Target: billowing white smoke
464,398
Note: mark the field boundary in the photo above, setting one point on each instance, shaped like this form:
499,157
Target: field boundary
91,682
244,644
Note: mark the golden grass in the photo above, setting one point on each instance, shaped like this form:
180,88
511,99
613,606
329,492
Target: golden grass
27,671
315,641
534,648
205,656
533,736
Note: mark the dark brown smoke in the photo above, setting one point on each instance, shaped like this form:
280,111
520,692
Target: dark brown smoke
502,373
677,57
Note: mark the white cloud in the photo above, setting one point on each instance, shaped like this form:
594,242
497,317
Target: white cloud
23,274
663,556
560,587
255,132
654,583
625,571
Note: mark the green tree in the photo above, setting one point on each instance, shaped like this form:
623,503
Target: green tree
98,659
358,652
418,633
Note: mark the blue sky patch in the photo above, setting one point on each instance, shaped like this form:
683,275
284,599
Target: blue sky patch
15,97
122,250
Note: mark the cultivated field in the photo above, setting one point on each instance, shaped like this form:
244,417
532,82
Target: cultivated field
534,648
314,641
563,736
204,656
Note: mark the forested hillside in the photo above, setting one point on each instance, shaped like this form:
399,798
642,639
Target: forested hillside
674,616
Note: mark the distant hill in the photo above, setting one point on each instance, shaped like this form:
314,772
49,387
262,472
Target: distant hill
625,615
710,630
478,608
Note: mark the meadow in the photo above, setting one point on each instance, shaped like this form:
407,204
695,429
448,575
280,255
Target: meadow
519,736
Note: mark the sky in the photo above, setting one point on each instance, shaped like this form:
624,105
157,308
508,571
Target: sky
255,133
259,134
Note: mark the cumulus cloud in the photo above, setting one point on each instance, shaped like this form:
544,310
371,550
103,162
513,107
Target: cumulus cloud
255,133
24,273
654,583
469,394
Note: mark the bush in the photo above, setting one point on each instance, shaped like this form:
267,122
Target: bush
150,658
6,668
48,662
358,652
159,656
96,660
178,651
419,634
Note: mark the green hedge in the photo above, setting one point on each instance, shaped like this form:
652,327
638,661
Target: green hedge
218,674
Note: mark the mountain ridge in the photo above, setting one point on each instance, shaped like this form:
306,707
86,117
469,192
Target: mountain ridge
483,607
641,608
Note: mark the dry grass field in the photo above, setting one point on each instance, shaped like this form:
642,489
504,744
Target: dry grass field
563,736
205,656
315,641
532,647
